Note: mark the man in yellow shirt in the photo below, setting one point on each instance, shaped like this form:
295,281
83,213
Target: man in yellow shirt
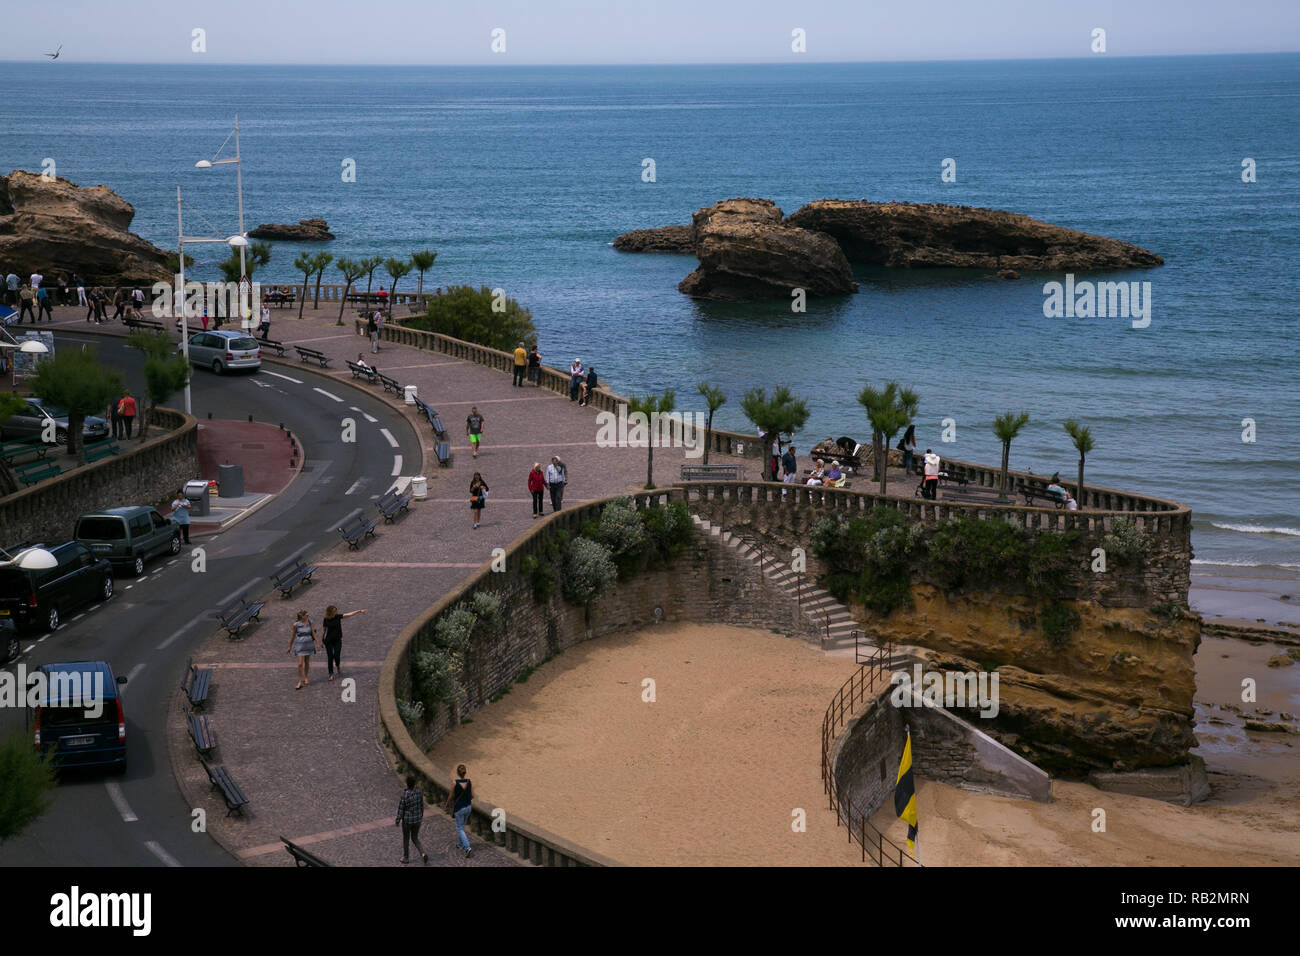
521,364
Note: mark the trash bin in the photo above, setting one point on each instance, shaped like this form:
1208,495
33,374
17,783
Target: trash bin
230,481
419,487
197,493
410,394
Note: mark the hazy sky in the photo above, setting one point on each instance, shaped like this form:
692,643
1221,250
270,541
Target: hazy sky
620,31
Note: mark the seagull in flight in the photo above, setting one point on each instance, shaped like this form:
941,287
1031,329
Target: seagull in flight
55,54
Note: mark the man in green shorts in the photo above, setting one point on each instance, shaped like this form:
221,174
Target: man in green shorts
474,428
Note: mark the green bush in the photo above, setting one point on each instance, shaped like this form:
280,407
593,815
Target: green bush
1126,543
436,671
621,528
589,571
667,531
1050,562
411,712
971,552
25,784
464,312
1058,622
542,575
870,558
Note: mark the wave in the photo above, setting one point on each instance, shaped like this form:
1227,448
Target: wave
1232,563
1256,529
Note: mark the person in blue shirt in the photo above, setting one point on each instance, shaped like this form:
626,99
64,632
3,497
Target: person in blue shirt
181,513
461,800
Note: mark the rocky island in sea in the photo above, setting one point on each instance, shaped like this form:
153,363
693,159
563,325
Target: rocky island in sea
305,230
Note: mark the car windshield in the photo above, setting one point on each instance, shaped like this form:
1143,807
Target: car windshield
71,716
101,529
52,410
243,345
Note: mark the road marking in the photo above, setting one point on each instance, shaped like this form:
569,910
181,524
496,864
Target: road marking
266,848
354,408
355,485
392,442
344,520
79,617
134,671
234,594
42,640
369,418
119,801
172,561
263,384
327,394
296,381
168,860
397,466
128,587
30,647
178,633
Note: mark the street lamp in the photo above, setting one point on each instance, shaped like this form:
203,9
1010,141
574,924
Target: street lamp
30,559
244,310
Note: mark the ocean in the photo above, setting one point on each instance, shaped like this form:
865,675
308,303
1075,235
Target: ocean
520,177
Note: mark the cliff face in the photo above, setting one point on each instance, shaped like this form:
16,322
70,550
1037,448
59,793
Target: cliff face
911,235
55,226
1116,696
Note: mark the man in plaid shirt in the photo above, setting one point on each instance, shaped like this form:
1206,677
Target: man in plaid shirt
410,811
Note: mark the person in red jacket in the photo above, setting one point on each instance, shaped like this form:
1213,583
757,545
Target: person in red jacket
126,410
536,485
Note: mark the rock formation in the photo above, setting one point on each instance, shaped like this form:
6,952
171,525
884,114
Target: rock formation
306,230
663,239
909,235
746,252
54,226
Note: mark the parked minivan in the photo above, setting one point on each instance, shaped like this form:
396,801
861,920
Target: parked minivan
80,721
128,537
224,350
29,422
42,598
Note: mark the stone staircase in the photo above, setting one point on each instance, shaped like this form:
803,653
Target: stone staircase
825,617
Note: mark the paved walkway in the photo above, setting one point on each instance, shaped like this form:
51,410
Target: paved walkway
310,761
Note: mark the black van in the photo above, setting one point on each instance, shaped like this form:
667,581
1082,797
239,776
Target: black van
79,721
42,598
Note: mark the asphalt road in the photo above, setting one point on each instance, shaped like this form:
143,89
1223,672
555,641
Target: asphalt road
153,624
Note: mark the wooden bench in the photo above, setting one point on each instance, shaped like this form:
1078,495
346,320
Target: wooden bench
201,733
280,299
300,856
273,344
37,471
390,384
355,531
311,355
391,504
362,371
196,684
961,482
101,449
1041,494
713,473
11,451
291,575
238,613
220,779
439,428
443,450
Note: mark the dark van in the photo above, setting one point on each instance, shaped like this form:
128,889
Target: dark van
128,537
42,598
80,721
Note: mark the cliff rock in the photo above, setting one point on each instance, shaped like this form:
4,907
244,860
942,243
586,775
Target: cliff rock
306,230
663,239
54,226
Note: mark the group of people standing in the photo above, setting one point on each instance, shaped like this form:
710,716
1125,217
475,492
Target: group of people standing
121,414
527,361
303,641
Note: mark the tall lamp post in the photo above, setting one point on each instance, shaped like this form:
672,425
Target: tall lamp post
244,310
237,242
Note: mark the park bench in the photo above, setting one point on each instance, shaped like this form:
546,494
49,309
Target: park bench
11,451
280,299
96,450
1041,494
273,344
423,408
355,530
945,481
391,503
300,856
713,473
238,613
196,684
362,371
201,733
311,355
443,451
37,471
220,779
133,323
291,575
390,384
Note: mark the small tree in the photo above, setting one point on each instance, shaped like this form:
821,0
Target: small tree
25,784
320,261
256,255
778,415
174,262
464,312
1081,436
888,410
395,268
1005,428
76,382
352,271
165,372
423,262
714,399
650,406
370,265
305,263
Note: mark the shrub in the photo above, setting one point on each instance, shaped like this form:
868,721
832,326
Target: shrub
623,533
1058,622
434,677
464,312
970,552
1050,562
667,530
411,712
25,784
453,630
588,571
1126,542
870,558
541,574
486,606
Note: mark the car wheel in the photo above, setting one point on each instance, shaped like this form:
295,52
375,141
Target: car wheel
12,646
52,618
176,544
107,589
61,437
216,367
138,565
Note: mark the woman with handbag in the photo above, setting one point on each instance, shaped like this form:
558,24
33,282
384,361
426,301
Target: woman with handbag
303,643
478,492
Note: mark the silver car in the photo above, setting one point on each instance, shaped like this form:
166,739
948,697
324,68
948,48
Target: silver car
224,350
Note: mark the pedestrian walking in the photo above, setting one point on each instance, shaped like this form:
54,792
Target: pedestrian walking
126,409
380,320
43,304
11,289
181,512
80,285
27,298
478,492
410,813
119,303
789,462
266,322
303,643
535,367
521,365
537,485
101,306
557,476
334,637
474,428
372,330
461,803
137,300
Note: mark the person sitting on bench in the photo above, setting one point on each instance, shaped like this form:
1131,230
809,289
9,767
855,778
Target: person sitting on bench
1054,487
834,475
818,475
930,486
362,362
1070,503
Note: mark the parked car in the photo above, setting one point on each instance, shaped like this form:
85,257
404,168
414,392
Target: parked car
41,598
128,537
9,643
224,350
81,722
30,422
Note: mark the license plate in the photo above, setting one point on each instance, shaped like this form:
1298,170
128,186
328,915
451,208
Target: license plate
4,613
78,741
101,547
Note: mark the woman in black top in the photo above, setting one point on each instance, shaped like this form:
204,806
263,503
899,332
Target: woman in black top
478,489
460,801
589,386
535,367
334,637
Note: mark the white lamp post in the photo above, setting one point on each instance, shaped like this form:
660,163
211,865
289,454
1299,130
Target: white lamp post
239,190
30,559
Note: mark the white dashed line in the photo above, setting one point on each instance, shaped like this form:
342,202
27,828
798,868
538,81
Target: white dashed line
354,408
356,484
131,674
42,640
29,648
119,801
79,617
397,465
392,442
128,587
296,381
327,394
168,860
369,418
344,520
178,633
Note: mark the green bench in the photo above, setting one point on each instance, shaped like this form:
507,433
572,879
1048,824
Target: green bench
37,471
11,451
96,450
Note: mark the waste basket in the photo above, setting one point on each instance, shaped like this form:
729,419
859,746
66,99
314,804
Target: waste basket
197,493
230,481
419,487
410,394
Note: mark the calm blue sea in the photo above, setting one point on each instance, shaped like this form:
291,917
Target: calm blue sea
520,177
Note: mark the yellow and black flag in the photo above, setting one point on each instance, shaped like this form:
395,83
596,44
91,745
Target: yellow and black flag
905,794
